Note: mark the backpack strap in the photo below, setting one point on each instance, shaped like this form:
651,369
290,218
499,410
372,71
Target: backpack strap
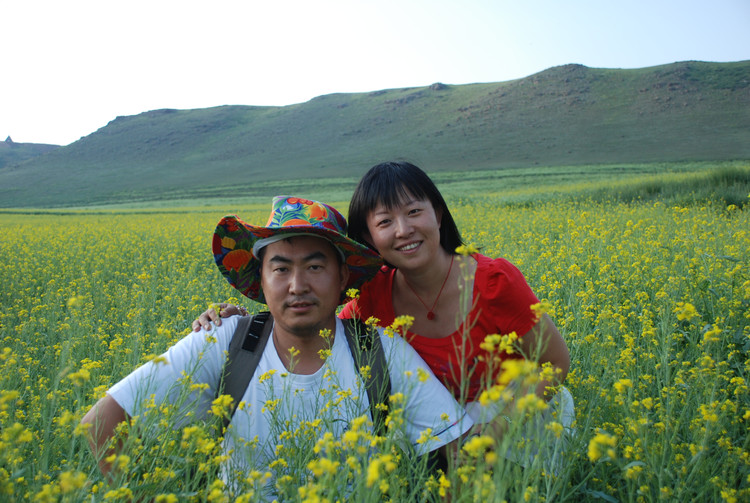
245,350
367,350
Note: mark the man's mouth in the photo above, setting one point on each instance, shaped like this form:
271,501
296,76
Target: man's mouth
300,304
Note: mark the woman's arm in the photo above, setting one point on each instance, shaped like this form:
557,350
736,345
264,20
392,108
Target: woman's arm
544,344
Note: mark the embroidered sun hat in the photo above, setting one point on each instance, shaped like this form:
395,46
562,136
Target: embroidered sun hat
236,243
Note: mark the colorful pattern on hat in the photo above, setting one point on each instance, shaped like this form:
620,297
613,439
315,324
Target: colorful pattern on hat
234,239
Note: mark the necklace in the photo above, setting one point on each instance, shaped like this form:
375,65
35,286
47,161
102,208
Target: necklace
431,311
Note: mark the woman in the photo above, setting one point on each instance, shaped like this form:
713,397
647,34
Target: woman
398,211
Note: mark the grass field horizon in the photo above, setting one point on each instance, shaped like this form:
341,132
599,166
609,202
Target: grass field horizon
677,180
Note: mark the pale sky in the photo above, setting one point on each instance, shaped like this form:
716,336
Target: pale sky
71,66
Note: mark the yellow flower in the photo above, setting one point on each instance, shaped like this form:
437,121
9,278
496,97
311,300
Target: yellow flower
119,494
500,343
541,308
118,462
71,481
270,405
529,493
556,428
326,334
382,464
323,466
685,311
220,406
401,324
426,436
623,384
157,359
516,369
80,377
372,321
601,444
443,485
75,302
477,445
266,375
531,403
712,335
467,249
364,371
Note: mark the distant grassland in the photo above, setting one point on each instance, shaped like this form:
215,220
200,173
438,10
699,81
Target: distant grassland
685,182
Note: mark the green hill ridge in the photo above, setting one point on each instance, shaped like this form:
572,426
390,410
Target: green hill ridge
567,115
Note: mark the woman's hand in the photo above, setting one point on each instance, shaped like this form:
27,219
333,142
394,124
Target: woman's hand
225,311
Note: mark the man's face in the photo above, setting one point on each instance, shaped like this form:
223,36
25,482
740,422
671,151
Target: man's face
302,281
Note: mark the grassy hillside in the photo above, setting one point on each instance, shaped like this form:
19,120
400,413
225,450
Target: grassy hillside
12,153
569,115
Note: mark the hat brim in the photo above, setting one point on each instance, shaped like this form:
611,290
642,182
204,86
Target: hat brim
233,243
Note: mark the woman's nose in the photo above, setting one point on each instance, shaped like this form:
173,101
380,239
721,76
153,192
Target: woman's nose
403,227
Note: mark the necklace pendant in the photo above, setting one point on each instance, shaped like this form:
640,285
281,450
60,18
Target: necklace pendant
430,315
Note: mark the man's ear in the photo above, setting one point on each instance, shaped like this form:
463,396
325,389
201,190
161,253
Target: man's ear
344,276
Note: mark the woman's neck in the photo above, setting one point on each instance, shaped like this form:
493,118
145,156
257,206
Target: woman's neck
430,278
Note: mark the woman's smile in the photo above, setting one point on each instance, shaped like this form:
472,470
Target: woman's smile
409,247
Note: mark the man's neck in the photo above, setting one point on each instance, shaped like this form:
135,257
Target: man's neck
301,353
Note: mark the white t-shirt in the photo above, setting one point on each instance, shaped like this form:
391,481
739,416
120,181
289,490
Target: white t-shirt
334,394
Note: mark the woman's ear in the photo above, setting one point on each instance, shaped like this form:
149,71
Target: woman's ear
367,237
439,216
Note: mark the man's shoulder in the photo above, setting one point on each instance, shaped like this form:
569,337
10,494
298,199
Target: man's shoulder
221,335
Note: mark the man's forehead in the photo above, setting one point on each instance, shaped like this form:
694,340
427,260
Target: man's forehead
309,244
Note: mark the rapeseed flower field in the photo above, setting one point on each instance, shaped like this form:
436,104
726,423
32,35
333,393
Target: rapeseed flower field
652,299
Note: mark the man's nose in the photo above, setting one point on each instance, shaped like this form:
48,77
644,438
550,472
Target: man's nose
299,282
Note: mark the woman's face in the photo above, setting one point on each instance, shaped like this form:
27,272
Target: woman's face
408,235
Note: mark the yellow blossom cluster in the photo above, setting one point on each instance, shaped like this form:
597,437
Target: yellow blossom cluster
652,298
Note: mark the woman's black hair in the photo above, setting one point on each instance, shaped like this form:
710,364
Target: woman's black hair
389,184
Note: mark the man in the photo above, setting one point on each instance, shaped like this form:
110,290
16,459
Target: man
299,264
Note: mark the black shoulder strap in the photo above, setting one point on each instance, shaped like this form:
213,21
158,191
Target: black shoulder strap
367,350
245,349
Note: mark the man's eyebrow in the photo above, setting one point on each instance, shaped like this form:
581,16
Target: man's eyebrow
316,255
279,258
